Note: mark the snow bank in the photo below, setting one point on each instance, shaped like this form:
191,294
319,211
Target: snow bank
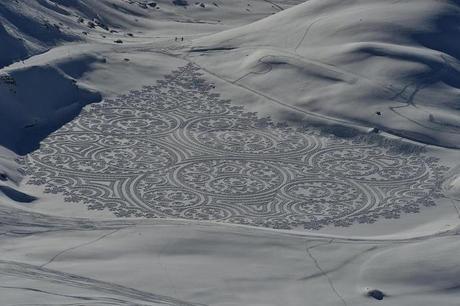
35,101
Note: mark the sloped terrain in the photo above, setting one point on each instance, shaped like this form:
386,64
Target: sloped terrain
390,65
247,152
32,110
25,32
62,42
31,27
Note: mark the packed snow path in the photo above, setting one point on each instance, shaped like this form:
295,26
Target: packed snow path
176,150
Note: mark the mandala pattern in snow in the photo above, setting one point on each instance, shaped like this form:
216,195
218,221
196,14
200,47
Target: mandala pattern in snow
176,150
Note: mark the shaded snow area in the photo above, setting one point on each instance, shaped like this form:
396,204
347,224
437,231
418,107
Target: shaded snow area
179,152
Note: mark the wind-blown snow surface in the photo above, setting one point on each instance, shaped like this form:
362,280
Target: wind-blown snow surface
194,144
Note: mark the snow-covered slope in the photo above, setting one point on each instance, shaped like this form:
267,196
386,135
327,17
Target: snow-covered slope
31,109
62,42
387,64
31,27
25,31
171,140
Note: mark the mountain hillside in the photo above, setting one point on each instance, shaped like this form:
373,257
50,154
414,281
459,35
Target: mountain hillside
58,55
230,152
393,65
31,27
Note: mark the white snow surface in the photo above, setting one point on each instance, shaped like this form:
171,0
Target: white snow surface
351,59
342,67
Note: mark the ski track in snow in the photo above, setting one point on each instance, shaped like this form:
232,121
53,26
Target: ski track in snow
42,281
127,295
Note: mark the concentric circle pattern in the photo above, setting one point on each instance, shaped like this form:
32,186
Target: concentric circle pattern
176,150
230,178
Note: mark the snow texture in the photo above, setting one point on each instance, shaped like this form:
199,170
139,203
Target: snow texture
229,152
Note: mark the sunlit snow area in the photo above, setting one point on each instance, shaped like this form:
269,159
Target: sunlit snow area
229,152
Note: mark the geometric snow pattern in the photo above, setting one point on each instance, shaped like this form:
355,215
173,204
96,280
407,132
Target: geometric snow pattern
176,150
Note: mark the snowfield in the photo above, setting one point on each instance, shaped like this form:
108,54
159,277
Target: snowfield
229,152
351,59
